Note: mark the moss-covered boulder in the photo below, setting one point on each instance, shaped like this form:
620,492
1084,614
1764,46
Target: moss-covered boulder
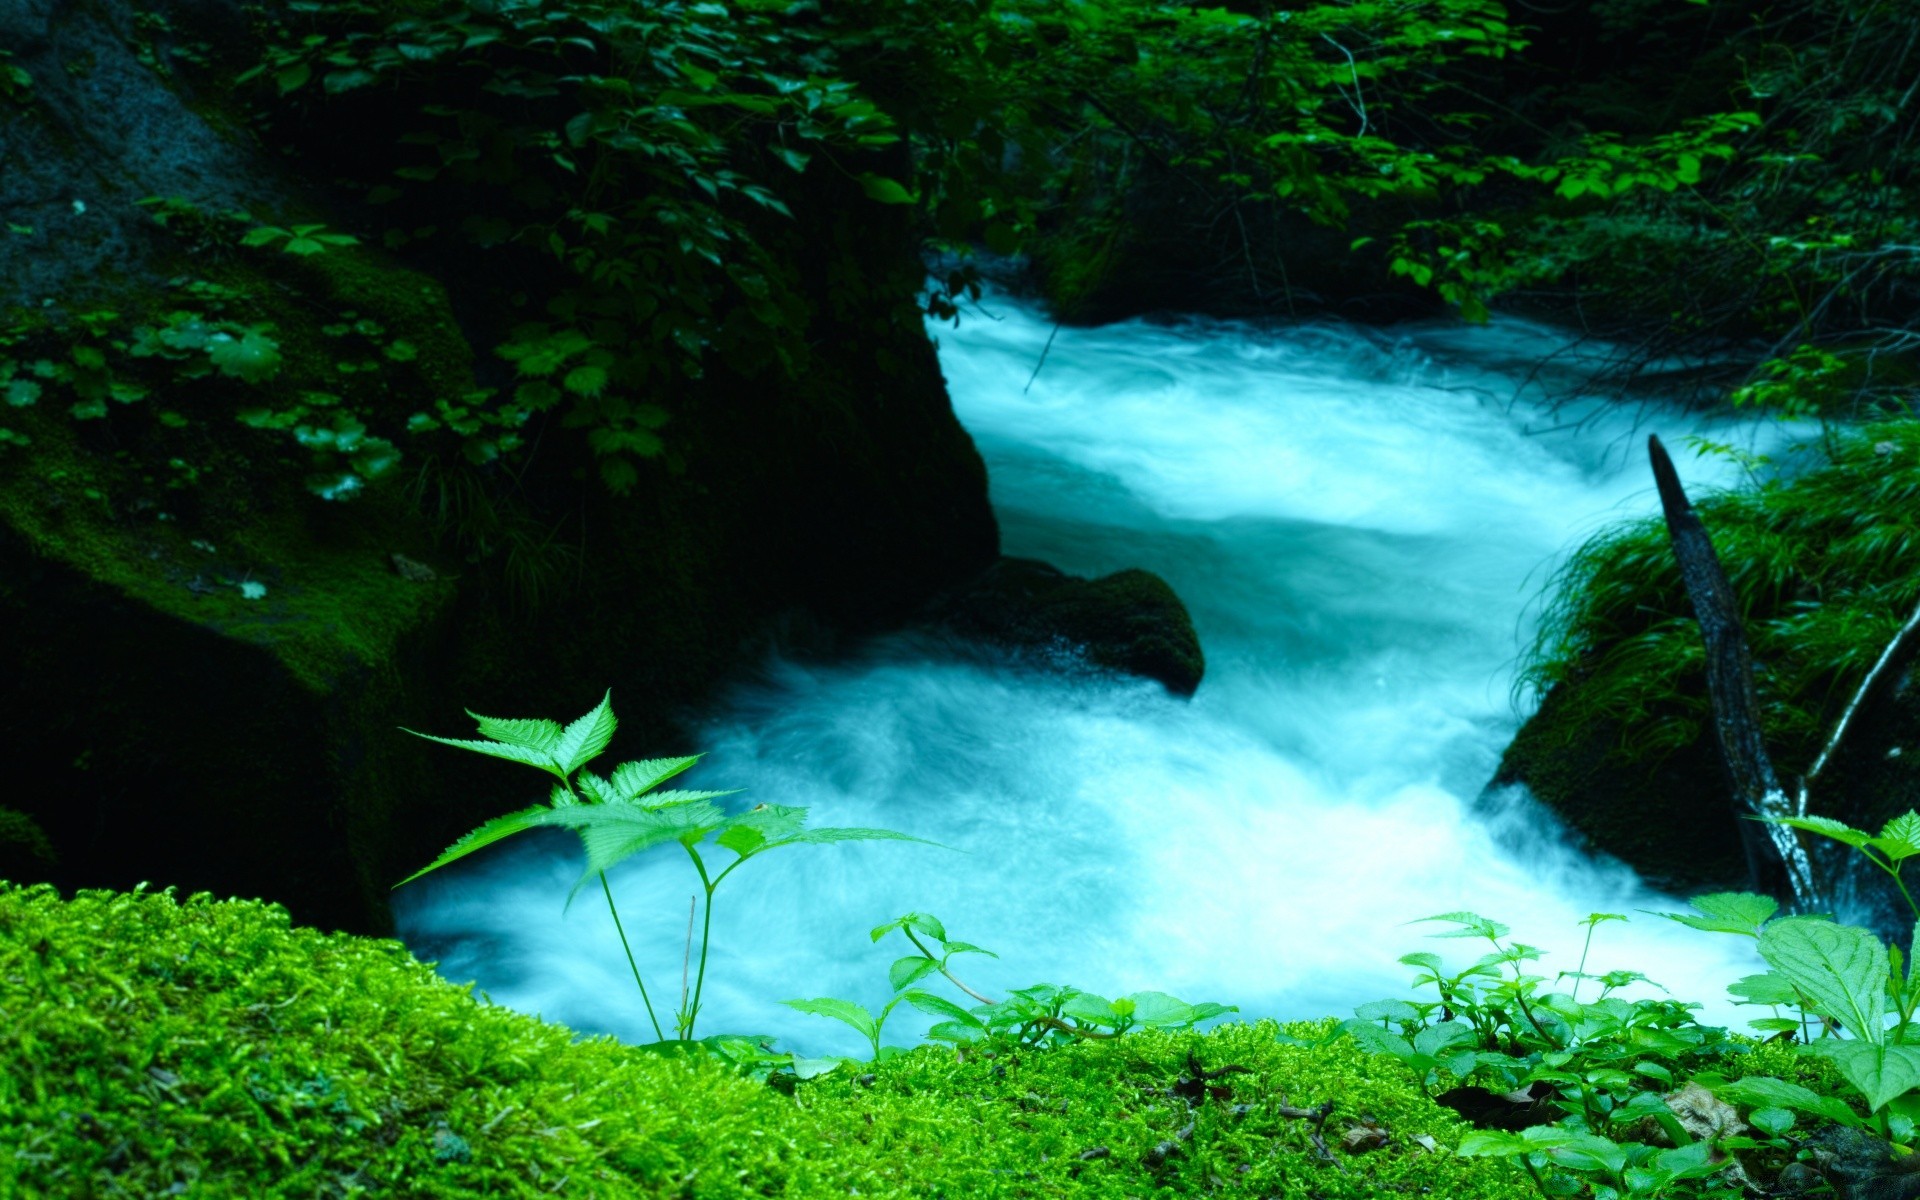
1130,621
212,1049
1822,567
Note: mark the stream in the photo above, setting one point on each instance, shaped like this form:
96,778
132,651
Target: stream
1361,522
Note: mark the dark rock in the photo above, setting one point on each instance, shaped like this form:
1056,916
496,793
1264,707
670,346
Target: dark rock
1671,819
26,856
1863,1167
1130,621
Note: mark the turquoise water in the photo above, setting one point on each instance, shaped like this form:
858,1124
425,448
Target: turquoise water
1360,522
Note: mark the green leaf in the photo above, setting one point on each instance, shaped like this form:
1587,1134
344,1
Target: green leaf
1473,925
921,923
633,779
1881,1072
1761,1091
1092,1009
886,191
1842,968
1764,989
905,972
1387,1010
1839,831
1729,912
1155,1009
940,1006
486,835
253,357
1899,838
21,393
840,1010
813,1068
613,833
582,741
823,837
507,750
530,734
586,381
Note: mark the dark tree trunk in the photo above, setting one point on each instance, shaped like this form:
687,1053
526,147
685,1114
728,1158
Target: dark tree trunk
1736,705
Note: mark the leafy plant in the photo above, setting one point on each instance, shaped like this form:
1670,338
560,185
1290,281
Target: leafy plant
620,815
1031,1016
301,240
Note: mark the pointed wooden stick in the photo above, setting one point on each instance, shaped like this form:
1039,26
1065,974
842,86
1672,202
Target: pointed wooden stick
1776,862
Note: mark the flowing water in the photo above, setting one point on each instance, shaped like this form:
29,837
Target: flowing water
1360,522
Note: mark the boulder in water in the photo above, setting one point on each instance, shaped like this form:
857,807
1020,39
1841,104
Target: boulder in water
1130,621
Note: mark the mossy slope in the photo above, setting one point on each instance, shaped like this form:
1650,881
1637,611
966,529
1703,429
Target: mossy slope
210,1049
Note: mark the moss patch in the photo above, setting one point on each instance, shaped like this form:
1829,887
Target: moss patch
213,1049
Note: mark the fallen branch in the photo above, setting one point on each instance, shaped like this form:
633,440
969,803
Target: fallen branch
1776,862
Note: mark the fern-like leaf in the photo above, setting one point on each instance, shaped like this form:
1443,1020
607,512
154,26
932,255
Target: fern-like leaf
581,742
533,734
612,833
486,835
507,750
634,778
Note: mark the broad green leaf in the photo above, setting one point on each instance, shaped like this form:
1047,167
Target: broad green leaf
772,823
1841,968
534,735
1881,1072
1095,1010
611,833
886,191
632,779
1899,838
582,741
1206,1010
812,1068
658,801
905,972
743,840
940,1006
1839,831
506,750
1729,912
921,923
1473,925
840,1010
1159,1009
1424,958
486,835
1761,1091
1764,989
1583,1151
1378,1040
253,357
1436,1039
1387,1010
1493,1143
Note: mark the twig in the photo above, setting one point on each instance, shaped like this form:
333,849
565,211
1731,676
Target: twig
1887,657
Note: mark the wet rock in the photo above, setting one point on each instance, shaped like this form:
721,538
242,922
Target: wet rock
1130,621
1863,1167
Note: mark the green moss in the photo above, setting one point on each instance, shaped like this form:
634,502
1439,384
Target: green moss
213,1048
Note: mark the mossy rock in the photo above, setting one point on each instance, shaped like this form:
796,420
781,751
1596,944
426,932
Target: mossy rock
210,665
212,1049
1130,621
1672,820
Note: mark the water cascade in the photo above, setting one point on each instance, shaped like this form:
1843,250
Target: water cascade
1360,522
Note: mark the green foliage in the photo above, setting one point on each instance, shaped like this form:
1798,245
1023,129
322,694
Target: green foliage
1822,567
1043,1015
620,815
301,240
16,83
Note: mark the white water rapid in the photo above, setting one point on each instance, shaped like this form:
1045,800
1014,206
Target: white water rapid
1360,523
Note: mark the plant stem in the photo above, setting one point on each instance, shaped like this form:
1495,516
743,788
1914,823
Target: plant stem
921,947
635,967
1580,975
